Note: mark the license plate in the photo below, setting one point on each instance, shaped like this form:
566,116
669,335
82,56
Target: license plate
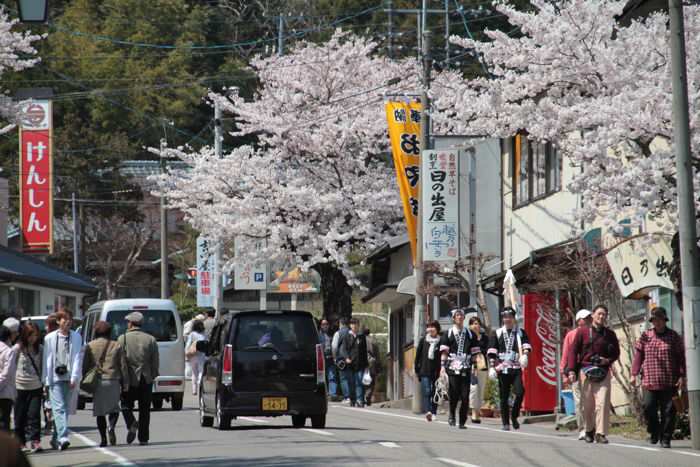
274,404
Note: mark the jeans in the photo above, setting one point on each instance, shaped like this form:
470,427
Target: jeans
330,379
660,401
506,382
428,388
60,394
5,411
459,392
359,387
346,382
143,393
28,415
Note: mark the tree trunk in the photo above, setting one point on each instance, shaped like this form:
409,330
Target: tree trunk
336,293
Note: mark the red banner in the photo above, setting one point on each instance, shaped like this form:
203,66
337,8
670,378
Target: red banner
540,377
36,178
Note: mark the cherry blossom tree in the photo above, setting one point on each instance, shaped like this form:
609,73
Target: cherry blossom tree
16,54
598,89
318,185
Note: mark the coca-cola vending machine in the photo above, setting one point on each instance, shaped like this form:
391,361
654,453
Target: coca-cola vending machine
540,377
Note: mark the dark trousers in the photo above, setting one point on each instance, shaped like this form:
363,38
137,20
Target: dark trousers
28,415
102,424
506,382
143,393
5,411
459,394
660,401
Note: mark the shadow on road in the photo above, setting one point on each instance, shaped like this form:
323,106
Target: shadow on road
276,461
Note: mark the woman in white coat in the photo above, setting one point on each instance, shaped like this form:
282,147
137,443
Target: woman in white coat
196,359
62,373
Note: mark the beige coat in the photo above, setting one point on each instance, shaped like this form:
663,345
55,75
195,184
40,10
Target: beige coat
141,352
114,366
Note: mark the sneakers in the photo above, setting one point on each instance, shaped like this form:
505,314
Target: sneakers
345,401
64,445
516,424
463,426
582,435
653,439
589,437
476,420
54,444
451,421
601,439
131,435
35,447
429,417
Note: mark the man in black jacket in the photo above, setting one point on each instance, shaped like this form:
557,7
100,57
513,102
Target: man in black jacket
356,360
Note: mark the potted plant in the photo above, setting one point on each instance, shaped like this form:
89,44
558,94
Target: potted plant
491,399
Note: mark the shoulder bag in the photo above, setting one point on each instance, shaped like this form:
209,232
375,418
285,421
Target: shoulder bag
93,378
593,372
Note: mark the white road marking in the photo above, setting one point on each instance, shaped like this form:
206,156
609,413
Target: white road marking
445,460
521,433
389,444
318,432
123,461
255,420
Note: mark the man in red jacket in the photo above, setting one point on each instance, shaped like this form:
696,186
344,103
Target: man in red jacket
660,357
583,320
591,355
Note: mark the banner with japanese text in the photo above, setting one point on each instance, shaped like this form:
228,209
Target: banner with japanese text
440,204
404,133
36,177
206,268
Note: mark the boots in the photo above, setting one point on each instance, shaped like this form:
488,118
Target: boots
102,428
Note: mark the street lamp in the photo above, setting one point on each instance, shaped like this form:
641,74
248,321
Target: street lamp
33,11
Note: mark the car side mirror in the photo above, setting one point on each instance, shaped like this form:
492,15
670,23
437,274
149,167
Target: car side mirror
203,346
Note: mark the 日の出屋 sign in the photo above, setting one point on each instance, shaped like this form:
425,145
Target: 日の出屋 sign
440,204
36,177
641,263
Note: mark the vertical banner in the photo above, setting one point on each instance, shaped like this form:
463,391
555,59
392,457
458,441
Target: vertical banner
36,177
404,133
440,204
206,266
249,276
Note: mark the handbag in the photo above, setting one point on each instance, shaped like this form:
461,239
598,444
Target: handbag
366,378
680,401
191,349
480,362
595,373
93,378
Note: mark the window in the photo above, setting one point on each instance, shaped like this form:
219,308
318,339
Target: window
284,333
158,323
536,170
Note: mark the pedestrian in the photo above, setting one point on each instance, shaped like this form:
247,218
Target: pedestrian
326,342
374,365
592,353
583,320
12,455
343,374
456,348
659,359
29,387
427,367
62,373
355,361
50,325
8,368
141,353
108,356
195,357
508,356
479,375
209,322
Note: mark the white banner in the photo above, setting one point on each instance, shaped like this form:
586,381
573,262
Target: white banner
249,276
440,204
206,267
641,263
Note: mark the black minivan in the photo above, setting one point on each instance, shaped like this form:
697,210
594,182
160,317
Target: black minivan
263,363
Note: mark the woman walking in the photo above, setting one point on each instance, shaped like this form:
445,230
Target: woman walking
195,358
479,369
427,367
29,387
107,355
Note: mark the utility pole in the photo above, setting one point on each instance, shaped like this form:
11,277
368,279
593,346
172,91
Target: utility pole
164,289
419,307
447,32
74,212
218,276
280,35
690,266
390,25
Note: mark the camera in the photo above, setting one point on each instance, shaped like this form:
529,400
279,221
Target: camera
595,360
61,370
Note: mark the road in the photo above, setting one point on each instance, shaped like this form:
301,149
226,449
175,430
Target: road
353,437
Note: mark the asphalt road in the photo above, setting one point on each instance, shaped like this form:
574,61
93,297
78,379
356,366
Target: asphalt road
353,437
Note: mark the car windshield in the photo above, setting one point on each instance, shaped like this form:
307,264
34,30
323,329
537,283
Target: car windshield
282,333
158,323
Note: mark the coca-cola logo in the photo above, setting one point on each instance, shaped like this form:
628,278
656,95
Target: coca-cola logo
545,327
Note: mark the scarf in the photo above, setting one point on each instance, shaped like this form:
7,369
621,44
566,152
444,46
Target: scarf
433,341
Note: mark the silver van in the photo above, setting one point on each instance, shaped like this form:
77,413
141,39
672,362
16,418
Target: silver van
162,321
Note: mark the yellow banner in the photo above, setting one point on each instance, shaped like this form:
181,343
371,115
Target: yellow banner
404,133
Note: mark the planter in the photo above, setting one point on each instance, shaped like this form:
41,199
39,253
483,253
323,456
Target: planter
486,412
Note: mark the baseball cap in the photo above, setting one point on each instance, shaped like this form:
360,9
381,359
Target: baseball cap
12,324
135,317
582,314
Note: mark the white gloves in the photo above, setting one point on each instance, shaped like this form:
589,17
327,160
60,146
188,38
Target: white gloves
493,374
523,361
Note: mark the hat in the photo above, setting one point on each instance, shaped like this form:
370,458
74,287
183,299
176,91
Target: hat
455,311
582,314
508,311
12,324
135,317
658,312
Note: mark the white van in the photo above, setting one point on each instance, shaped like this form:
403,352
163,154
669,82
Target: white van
161,320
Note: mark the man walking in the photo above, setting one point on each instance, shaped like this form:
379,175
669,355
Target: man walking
141,353
336,345
209,322
8,368
592,353
356,362
508,355
62,373
659,356
326,341
583,320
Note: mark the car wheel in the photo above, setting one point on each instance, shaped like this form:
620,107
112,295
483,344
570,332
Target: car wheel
221,421
157,403
318,421
204,419
298,421
81,403
176,401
